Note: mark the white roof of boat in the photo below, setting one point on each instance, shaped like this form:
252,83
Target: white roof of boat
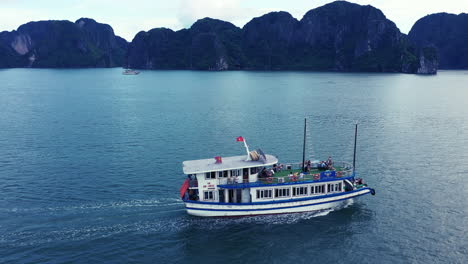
229,163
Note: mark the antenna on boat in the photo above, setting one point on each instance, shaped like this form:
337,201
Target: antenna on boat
354,155
303,147
309,146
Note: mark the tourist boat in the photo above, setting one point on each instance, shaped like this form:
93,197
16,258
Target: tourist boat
130,72
256,184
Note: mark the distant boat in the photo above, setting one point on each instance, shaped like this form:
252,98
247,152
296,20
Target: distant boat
130,72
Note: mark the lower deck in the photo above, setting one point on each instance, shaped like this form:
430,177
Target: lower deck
274,192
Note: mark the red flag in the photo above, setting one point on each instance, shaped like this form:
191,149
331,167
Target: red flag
218,159
240,139
184,188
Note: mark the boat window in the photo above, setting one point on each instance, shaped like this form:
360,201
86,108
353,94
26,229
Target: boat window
299,191
320,188
235,173
210,175
254,170
336,187
282,192
222,174
312,189
208,195
264,194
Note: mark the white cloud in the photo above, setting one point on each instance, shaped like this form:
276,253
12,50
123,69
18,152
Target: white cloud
12,18
227,10
127,28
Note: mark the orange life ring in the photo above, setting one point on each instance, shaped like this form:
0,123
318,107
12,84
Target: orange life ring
270,179
294,178
339,173
317,176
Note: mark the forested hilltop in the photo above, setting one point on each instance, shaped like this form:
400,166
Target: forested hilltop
62,44
448,34
339,36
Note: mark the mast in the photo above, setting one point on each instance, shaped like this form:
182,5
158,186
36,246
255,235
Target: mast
354,155
247,149
303,147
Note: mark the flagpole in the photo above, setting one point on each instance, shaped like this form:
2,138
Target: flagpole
247,149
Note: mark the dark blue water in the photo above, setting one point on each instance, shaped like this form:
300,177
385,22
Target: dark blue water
90,165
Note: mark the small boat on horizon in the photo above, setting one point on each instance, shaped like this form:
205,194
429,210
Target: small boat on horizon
130,72
257,184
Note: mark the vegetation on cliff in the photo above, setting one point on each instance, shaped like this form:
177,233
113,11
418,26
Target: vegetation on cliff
62,44
339,36
447,34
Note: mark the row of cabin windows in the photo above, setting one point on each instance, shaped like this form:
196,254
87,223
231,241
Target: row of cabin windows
264,194
334,187
231,173
299,191
285,192
317,189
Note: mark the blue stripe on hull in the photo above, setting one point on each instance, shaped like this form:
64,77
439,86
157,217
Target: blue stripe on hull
275,208
281,201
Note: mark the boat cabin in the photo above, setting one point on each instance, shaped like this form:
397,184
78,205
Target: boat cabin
206,175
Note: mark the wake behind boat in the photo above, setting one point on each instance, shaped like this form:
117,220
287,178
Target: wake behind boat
257,184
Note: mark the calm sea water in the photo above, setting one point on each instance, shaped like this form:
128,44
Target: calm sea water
90,165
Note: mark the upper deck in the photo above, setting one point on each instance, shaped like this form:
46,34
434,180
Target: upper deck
294,175
228,163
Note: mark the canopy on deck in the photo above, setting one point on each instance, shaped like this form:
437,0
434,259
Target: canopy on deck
228,163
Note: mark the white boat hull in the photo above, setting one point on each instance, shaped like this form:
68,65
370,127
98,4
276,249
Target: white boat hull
277,207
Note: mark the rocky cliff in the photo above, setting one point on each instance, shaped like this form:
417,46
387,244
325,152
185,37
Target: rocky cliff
210,44
348,37
268,41
447,34
340,36
62,44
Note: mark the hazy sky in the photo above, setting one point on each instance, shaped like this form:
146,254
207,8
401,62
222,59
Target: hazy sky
127,17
